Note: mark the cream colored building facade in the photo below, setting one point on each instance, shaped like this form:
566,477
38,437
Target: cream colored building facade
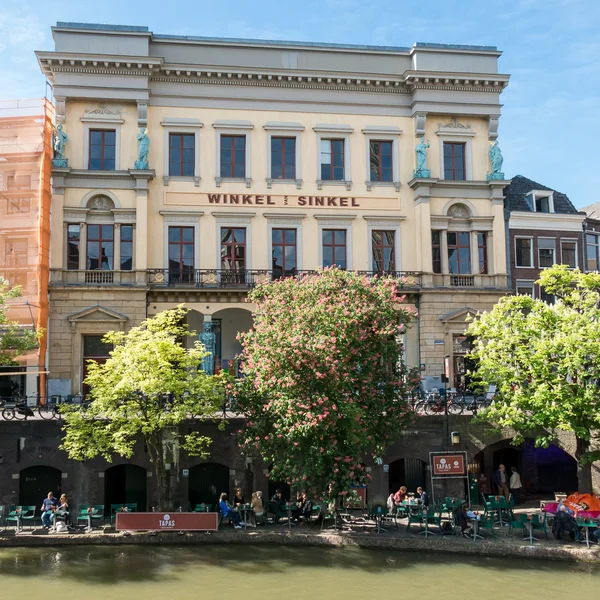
266,159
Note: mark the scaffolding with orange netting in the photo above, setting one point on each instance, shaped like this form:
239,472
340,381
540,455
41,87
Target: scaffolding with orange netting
25,194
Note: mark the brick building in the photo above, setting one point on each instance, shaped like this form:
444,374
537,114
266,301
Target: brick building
544,228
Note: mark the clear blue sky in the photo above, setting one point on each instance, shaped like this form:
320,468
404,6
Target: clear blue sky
550,128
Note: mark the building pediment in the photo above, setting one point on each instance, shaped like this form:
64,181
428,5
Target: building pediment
459,316
97,314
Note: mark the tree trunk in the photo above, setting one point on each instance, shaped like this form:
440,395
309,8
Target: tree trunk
163,477
584,470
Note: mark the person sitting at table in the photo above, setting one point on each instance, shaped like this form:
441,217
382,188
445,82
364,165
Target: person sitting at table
461,518
305,509
238,499
391,503
257,506
49,505
502,480
277,501
423,496
400,495
63,510
228,511
564,523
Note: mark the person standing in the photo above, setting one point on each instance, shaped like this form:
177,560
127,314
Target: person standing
49,505
515,485
502,480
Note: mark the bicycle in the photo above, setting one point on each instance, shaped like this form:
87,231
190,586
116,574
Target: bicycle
19,411
48,411
437,405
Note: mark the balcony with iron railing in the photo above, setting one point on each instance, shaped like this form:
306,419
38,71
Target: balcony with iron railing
196,278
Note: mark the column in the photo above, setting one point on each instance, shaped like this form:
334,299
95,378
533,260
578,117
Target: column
142,179
117,248
444,251
474,253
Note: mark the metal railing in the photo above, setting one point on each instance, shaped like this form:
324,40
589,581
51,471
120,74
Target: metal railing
201,278
462,280
247,278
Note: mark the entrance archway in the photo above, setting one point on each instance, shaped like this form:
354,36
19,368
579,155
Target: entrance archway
207,482
409,472
542,470
125,484
36,482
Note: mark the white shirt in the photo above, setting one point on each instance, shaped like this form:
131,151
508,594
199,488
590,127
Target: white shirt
515,481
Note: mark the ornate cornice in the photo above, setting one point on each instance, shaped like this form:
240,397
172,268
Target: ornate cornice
158,71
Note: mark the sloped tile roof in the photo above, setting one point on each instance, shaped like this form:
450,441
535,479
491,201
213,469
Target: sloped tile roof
520,186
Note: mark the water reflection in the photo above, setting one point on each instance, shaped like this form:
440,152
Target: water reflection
90,570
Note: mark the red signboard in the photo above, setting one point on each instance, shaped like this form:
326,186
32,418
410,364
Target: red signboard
448,464
167,521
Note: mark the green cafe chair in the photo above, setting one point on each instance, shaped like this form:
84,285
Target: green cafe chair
486,522
90,513
115,508
13,516
516,522
414,517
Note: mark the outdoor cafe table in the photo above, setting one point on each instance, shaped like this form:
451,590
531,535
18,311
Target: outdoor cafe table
496,504
245,510
475,523
529,525
289,507
587,525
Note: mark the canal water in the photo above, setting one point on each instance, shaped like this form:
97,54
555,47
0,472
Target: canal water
260,573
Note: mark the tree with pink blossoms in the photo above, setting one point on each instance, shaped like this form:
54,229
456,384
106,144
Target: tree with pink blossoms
325,384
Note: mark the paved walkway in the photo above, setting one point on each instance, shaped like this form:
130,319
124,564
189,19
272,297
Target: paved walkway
312,535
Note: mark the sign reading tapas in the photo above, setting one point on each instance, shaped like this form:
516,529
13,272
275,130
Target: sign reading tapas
171,521
275,201
448,464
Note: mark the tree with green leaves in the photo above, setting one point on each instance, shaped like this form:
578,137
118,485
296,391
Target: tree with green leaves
15,339
545,361
324,381
149,386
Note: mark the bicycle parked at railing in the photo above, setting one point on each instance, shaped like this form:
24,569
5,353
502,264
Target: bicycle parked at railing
16,408
438,404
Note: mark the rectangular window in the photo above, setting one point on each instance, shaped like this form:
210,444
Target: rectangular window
283,158
18,205
547,298
233,249
284,252
100,247
454,161
181,254
568,253
94,349
332,160
593,256
15,253
542,204
384,256
436,251
381,161
102,149
546,252
182,154
126,247
233,156
334,248
459,253
73,237
525,288
523,253
482,251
